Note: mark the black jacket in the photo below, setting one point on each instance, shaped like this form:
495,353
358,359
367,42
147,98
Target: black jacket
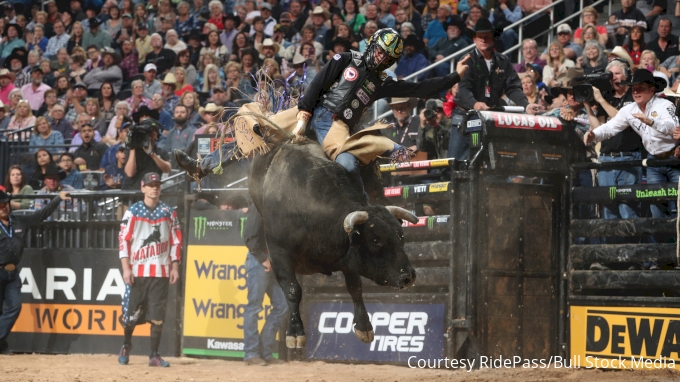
502,80
11,248
253,232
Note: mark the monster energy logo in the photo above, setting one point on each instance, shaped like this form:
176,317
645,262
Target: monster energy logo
430,222
612,193
243,224
475,139
199,227
404,192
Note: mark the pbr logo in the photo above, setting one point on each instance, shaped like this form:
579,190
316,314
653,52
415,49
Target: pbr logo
200,223
351,74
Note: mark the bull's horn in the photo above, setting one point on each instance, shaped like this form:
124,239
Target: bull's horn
356,217
401,213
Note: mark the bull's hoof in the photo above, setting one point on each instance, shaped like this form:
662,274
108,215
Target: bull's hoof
366,337
296,342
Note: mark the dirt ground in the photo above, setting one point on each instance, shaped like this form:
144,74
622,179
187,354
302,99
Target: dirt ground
81,368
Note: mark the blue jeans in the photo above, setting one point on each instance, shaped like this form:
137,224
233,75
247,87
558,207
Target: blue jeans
621,177
459,147
10,302
260,282
211,160
656,175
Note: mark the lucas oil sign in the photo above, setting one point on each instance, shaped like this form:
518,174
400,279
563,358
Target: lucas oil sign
625,337
401,331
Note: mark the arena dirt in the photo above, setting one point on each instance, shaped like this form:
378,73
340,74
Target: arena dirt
81,368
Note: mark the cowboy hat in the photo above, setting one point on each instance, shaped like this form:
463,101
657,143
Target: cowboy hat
169,79
398,100
109,51
484,25
299,59
415,42
455,20
268,42
318,10
19,53
567,81
20,32
51,170
644,76
209,108
4,72
144,111
621,53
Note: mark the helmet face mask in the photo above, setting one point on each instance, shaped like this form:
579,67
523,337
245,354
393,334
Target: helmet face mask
388,42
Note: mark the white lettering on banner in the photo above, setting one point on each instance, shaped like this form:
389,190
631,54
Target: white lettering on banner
28,284
422,188
521,121
113,284
396,323
87,284
64,286
224,345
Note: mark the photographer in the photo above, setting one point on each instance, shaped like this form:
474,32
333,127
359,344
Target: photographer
433,137
143,155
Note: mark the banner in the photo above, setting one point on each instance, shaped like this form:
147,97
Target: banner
72,304
401,331
625,337
215,296
635,192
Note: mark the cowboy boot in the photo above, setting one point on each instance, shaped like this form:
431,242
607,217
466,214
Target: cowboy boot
190,164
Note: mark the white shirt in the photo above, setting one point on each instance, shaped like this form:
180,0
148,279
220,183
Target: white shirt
658,138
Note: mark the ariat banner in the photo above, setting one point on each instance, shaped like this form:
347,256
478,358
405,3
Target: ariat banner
215,293
625,337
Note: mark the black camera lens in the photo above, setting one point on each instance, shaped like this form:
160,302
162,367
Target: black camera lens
429,113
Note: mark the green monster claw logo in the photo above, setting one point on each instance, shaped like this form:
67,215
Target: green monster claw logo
243,224
404,191
475,139
200,223
430,222
612,193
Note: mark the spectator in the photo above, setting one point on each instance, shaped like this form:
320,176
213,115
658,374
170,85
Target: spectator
626,18
385,13
212,78
182,85
23,118
96,36
37,39
589,17
635,44
216,14
190,101
129,64
17,62
143,42
169,84
125,33
59,66
115,23
173,42
52,179
151,84
403,26
137,98
412,15
43,135
6,85
371,14
445,47
96,120
82,120
412,60
530,90
106,100
257,38
353,17
114,174
476,14
269,21
594,59
670,68
269,49
184,60
435,30
649,61
89,154
138,162
164,118
43,159
220,97
433,137
4,118
109,72
589,34
10,13
504,15
557,63
48,78
530,55
238,87
122,127
429,13
571,50
181,135
161,57
369,29
185,21
76,37
405,126
77,101
77,71
666,45
619,52
210,115
59,123
16,184
94,58
123,109
12,38
77,10
465,6
229,33
73,177
14,98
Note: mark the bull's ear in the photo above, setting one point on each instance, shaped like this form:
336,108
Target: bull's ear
354,238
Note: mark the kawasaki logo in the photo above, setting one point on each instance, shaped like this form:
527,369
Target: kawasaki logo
612,193
430,222
404,192
475,139
243,224
199,227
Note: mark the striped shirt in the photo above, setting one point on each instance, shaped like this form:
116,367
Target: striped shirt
151,239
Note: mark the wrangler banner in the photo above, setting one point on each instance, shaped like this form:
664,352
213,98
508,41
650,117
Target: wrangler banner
215,295
625,337
72,304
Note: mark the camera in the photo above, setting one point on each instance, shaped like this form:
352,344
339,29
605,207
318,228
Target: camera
139,136
429,114
600,80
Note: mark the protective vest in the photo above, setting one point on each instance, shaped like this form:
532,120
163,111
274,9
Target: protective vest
353,92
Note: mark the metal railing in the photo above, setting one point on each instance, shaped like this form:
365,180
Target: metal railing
450,59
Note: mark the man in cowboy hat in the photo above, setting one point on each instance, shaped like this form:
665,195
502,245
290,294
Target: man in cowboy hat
52,179
95,36
490,76
34,92
169,84
13,229
405,124
445,47
654,119
11,39
319,18
269,49
16,62
6,85
619,52
110,72
412,60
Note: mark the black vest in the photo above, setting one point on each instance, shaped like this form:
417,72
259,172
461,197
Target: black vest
353,92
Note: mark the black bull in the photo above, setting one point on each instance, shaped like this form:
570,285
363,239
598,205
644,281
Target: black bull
316,221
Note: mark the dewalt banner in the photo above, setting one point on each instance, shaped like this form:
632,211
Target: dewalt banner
215,293
625,337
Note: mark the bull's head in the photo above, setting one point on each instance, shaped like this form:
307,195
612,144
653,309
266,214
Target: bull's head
377,235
